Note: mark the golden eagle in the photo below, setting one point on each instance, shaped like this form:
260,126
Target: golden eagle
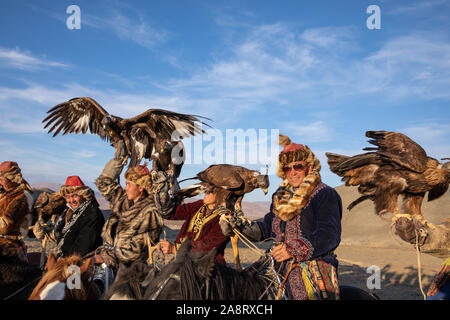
145,135
396,166
230,182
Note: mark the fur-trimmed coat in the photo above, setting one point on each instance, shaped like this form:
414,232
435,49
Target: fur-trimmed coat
126,230
314,233
81,232
14,212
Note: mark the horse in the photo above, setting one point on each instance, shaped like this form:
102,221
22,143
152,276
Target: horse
191,276
196,276
54,283
130,282
17,277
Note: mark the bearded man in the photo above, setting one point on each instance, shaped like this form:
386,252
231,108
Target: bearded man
78,230
305,220
136,212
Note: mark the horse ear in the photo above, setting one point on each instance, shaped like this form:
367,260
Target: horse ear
204,263
184,249
51,261
85,266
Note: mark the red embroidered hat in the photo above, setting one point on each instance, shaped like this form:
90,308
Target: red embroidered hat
293,152
74,181
293,147
75,185
7,165
11,171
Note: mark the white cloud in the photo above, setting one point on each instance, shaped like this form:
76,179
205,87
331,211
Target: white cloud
317,131
17,59
134,28
432,136
85,154
417,7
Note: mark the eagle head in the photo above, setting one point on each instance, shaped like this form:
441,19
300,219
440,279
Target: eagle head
262,181
107,121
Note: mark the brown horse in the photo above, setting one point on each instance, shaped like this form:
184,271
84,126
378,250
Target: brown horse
17,277
54,283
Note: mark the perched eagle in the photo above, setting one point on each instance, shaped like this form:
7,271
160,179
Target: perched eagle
230,182
144,135
397,165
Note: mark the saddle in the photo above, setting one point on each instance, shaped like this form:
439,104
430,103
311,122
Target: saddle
155,256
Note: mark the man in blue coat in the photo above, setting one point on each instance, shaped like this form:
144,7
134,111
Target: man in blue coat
305,220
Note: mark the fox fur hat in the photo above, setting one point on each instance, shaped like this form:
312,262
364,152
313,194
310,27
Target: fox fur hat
141,176
288,208
75,185
11,171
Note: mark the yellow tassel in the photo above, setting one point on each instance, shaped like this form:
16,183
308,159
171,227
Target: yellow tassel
308,285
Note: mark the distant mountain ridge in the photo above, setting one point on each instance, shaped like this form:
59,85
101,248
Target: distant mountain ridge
252,209
359,227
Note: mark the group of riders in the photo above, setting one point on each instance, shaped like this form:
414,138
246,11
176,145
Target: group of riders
304,220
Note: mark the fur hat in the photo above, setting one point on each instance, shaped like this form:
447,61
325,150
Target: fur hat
288,208
141,176
11,171
75,185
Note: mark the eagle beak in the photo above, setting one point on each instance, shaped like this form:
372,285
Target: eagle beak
265,190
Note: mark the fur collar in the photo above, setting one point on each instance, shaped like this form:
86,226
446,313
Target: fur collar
290,204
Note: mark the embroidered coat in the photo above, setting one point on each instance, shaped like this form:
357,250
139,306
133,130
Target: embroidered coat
202,228
312,234
78,231
125,231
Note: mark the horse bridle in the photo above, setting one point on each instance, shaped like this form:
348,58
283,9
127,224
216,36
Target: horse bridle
162,286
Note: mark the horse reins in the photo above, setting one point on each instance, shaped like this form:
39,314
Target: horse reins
163,285
12,295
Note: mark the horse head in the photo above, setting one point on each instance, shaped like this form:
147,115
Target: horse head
67,278
129,281
196,276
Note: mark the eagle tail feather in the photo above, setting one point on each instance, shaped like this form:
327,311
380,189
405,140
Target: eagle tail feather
359,200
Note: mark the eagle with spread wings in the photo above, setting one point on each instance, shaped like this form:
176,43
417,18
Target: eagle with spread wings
396,166
145,135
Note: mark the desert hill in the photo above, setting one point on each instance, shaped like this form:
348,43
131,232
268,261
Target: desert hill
359,227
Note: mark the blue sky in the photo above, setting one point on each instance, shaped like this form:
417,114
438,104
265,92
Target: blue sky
312,70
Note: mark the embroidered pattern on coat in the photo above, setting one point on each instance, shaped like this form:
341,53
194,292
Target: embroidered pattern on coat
297,246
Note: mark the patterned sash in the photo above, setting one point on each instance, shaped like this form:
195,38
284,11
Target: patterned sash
320,280
73,219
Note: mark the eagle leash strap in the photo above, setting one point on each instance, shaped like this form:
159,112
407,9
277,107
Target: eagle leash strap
419,272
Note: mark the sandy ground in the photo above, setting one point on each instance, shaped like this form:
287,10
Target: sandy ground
398,267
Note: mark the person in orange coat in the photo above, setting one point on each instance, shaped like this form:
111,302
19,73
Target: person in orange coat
15,214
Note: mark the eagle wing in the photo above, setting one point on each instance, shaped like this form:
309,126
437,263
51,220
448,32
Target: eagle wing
163,123
140,145
75,116
399,149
